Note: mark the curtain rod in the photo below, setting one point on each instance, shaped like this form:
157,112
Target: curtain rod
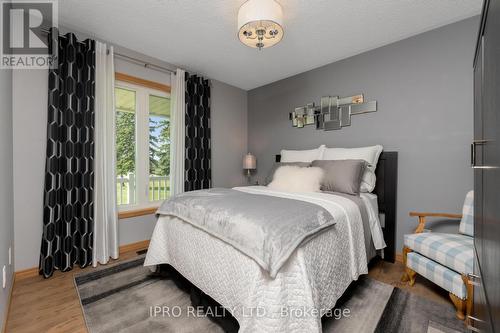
143,63
131,59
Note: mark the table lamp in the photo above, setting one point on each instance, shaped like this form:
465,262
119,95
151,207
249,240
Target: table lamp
249,164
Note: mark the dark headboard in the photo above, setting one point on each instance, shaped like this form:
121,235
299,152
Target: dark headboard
386,190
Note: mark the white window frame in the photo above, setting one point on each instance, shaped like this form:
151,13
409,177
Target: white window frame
142,94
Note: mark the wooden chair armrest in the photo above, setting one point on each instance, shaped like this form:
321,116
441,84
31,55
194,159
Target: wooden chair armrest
422,218
447,215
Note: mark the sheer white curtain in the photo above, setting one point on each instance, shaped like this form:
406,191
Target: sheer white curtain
177,136
105,210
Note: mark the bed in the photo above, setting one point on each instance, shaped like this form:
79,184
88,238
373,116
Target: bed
308,284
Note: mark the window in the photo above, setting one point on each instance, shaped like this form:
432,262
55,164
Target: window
159,147
125,145
142,145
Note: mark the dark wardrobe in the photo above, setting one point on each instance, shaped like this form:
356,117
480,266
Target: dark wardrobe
485,156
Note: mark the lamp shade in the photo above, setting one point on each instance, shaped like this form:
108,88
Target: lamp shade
260,23
249,162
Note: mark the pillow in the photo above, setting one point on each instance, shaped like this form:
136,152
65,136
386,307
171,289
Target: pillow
369,154
341,175
297,179
467,223
302,155
276,165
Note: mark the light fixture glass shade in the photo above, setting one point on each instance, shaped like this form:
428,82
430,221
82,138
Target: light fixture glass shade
260,23
249,162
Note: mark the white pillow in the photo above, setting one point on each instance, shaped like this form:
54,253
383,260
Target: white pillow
369,154
297,179
302,155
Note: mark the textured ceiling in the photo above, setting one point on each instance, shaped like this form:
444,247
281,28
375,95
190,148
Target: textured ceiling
202,34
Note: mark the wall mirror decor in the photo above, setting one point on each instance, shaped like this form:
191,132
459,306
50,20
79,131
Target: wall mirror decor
333,113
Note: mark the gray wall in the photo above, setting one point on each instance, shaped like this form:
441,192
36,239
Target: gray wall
229,134
6,206
229,107
423,86
29,126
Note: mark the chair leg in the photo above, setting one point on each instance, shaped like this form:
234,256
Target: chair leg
460,305
470,296
405,277
411,276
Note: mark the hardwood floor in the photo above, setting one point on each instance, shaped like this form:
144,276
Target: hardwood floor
48,305
52,305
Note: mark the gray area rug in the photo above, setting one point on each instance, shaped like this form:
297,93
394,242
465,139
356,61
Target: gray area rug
123,297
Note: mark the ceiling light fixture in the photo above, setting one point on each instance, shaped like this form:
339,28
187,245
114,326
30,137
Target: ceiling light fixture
260,23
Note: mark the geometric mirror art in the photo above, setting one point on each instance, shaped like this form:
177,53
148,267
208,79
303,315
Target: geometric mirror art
333,113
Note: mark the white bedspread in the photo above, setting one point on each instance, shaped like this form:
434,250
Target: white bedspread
314,277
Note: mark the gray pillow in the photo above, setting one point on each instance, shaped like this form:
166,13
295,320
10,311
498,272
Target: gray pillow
276,165
341,175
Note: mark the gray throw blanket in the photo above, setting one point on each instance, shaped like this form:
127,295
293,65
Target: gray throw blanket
266,228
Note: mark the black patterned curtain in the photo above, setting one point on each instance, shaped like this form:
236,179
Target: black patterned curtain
69,170
198,173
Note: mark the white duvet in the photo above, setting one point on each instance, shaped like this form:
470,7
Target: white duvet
305,288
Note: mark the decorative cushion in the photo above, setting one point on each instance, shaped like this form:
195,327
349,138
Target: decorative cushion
369,154
440,275
467,222
341,175
451,250
297,179
276,165
302,155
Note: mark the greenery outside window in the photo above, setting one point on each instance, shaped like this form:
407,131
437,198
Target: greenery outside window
142,146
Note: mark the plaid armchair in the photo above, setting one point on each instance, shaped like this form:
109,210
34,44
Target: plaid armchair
445,259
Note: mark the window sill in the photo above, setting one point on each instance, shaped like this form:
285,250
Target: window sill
136,212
